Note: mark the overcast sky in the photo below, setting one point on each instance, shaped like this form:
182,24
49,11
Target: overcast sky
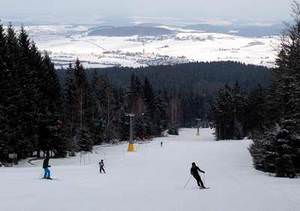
257,10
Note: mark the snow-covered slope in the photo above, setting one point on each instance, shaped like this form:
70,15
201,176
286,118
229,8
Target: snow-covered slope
65,43
152,179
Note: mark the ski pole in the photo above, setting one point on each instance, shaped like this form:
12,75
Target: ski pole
204,181
187,182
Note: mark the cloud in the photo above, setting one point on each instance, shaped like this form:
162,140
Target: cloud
230,9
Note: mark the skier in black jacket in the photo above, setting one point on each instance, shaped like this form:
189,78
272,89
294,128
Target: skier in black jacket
101,165
195,174
46,168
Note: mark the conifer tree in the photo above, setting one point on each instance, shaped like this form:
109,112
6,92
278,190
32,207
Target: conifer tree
84,141
277,150
149,99
256,111
29,91
229,113
104,109
69,103
77,112
3,94
16,133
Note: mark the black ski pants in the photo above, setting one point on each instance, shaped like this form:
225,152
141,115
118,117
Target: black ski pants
199,181
102,170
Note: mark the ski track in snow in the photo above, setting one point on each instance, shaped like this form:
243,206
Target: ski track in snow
151,179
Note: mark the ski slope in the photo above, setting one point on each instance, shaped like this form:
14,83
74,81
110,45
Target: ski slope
151,179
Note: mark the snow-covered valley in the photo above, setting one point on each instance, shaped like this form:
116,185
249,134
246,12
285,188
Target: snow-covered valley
151,179
163,45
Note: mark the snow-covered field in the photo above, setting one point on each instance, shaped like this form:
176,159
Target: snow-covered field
65,43
151,179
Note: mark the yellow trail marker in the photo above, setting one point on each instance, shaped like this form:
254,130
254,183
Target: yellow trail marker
130,148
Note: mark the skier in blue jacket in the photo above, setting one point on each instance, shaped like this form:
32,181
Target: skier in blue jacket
46,167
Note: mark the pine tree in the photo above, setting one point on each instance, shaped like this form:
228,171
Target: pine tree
275,152
77,106
27,77
257,112
2,50
69,104
104,109
150,107
29,92
96,123
84,141
17,132
80,91
278,149
136,105
239,112
50,104
174,113
121,121
287,75
3,95
229,113
160,119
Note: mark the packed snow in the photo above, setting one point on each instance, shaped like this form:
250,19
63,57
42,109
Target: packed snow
65,43
151,179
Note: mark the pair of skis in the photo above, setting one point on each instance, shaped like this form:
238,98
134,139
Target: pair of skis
51,179
187,182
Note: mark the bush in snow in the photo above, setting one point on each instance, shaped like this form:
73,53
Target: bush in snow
277,151
173,131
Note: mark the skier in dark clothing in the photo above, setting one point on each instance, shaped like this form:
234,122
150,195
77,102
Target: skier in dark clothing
195,174
46,168
101,165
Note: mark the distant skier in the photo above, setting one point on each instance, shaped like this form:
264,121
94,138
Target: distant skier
195,174
161,144
101,165
46,167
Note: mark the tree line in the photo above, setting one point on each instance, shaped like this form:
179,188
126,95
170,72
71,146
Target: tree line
193,85
41,114
270,116
30,98
60,112
203,78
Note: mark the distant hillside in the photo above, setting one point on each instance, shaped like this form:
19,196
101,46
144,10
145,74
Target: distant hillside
155,30
242,30
124,31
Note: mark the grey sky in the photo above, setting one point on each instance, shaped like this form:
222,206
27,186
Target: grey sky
260,10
